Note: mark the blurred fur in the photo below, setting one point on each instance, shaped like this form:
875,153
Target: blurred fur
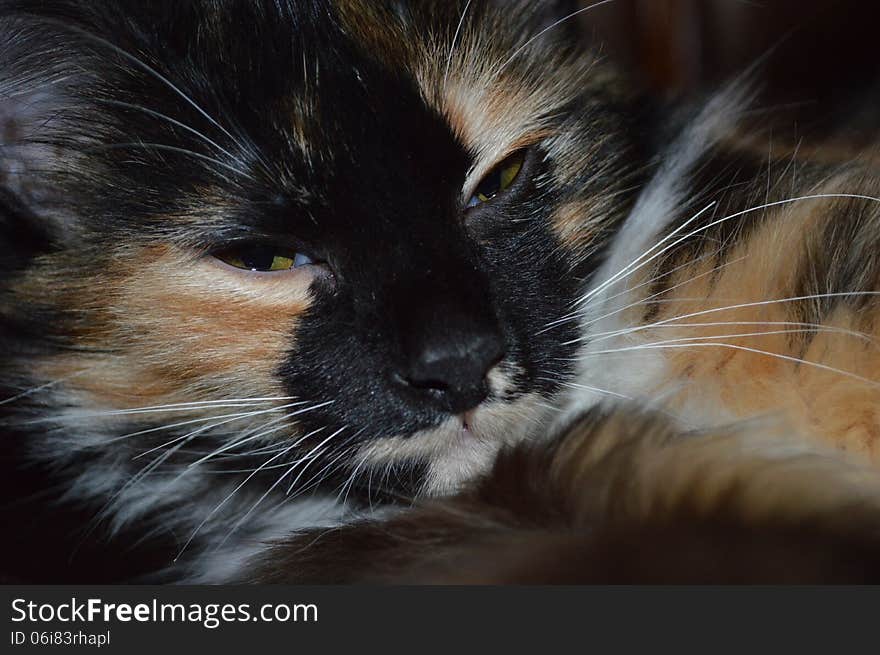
621,498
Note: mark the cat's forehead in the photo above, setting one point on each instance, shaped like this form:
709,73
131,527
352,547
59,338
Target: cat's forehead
478,68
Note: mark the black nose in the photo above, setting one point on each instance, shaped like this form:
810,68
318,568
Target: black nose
452,368
448,329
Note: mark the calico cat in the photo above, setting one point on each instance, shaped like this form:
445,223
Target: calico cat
277,267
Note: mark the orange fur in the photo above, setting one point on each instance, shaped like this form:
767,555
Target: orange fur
217,327
763,362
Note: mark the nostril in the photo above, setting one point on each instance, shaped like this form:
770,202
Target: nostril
426,385
454,374
454,399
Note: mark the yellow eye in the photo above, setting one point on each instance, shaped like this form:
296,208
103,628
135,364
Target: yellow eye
263,259
499,179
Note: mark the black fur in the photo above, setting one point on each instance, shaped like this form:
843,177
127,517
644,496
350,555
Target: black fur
311,142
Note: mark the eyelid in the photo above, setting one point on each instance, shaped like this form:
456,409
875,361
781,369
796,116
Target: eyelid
477,174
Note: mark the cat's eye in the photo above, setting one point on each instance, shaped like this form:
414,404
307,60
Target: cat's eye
262,259
498,180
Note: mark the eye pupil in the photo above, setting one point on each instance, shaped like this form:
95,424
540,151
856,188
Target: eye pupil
257,259
490,186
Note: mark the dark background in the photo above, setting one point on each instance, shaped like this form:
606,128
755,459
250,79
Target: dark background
821,62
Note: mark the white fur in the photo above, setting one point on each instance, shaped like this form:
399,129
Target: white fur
639,374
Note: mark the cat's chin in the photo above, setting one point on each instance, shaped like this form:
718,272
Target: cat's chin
464,446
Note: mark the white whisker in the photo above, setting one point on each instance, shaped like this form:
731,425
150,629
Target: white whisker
310,456
235,444
174,149
234,417
757,351
455,42
637,263
236,489
290,469
656,278
148,69
172,121
653,297
817,196
811,328
47,385
760,303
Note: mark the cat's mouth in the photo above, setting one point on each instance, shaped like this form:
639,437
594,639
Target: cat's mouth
467,420
463,446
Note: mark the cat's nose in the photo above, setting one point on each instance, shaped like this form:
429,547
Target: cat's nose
448,331
452,369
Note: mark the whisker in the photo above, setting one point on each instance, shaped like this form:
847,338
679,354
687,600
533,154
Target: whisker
656,278
346,487
788,358
817,196
585,387
455,42
171,426
236,489
761,303
637,263
736,335
136,412
653,298
670,272
102,514
274,486
145,67
174,149
157,409
234,417
255,436
808,328
152,466
176,123
193,405
310,455
319,477
47,385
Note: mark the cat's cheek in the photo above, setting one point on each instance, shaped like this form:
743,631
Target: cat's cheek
577,224
219,335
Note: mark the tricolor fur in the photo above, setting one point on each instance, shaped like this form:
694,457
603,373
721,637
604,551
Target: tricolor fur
174,414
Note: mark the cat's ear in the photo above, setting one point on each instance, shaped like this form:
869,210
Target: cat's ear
38,74
23,235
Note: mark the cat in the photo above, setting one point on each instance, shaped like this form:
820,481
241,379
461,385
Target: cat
274,268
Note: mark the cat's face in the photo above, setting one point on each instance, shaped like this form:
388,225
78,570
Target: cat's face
353,219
